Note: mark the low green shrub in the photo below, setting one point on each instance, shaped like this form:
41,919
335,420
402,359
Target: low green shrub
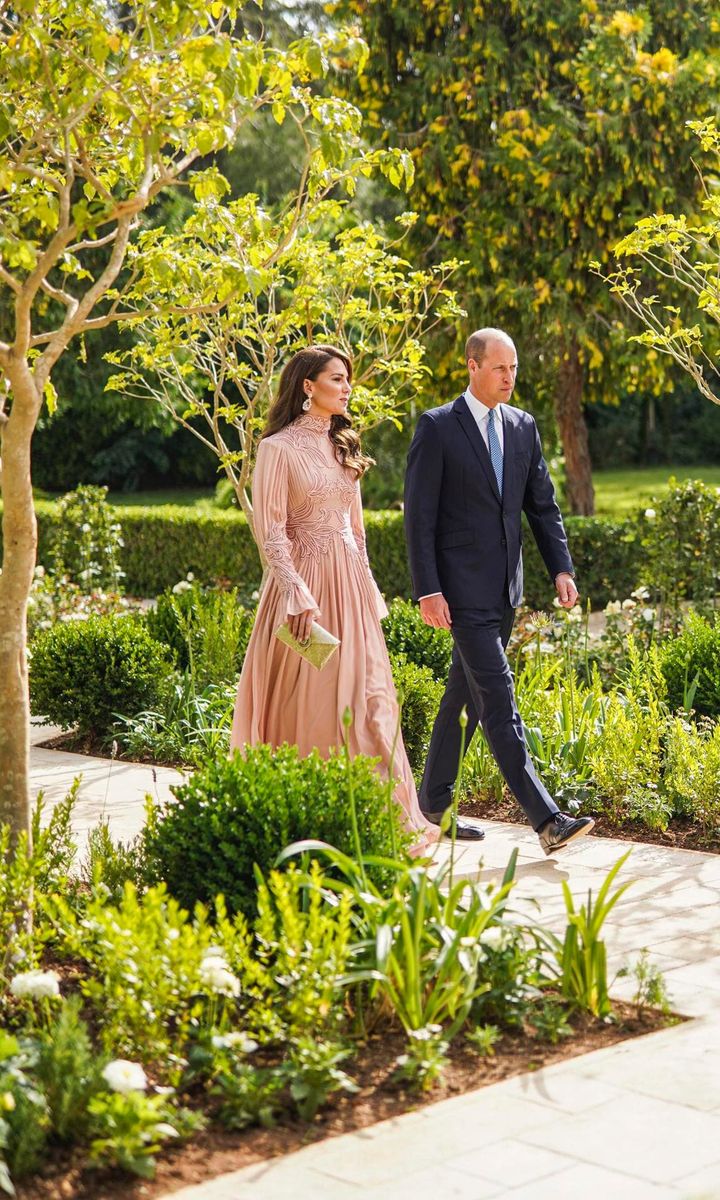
695,652
692,773
24,1119
86,540
30,869
239,811
144,960
187,725
84,672
406,633
69,1071
206,631
419,694
679,537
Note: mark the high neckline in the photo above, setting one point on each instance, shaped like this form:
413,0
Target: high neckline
316,424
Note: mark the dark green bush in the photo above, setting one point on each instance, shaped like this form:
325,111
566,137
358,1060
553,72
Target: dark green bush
406,633
239,811
83,672
695,651
605,556
420,695
163,624
163,543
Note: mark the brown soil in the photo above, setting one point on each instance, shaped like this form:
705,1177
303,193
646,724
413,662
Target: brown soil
216,1151
94,747
680,835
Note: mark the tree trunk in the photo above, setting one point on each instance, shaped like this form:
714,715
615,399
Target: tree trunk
573,433
18,562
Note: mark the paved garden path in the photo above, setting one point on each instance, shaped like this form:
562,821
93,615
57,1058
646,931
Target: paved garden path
639,1120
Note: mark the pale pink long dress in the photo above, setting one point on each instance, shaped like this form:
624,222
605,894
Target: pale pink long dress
308,520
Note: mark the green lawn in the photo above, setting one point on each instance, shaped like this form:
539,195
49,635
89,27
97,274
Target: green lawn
184,497
619,492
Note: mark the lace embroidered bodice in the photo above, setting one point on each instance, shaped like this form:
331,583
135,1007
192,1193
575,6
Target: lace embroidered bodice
305,501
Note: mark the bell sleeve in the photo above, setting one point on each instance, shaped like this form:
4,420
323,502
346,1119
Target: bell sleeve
270,505
358,528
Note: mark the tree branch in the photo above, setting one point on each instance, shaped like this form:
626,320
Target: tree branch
92,243
10,280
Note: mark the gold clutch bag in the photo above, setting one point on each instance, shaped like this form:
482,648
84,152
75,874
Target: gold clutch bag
318,648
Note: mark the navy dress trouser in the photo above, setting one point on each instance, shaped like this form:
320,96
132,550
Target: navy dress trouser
480,679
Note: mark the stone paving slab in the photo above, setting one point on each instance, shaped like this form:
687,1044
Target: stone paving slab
636,1121
110,789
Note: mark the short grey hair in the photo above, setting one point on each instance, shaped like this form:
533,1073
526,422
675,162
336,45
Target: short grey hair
477,343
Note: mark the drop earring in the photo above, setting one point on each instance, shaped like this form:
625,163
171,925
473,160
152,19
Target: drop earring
306,404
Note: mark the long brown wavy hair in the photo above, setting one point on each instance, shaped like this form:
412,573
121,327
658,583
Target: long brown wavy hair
288,404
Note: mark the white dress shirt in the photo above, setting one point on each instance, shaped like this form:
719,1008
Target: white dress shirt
480,414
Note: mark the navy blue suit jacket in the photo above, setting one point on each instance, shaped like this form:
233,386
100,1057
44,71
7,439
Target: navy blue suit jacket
464,540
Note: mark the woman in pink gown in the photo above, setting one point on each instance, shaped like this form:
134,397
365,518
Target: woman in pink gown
309,525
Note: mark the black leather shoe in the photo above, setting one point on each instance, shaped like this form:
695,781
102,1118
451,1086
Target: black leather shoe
465,831
563,829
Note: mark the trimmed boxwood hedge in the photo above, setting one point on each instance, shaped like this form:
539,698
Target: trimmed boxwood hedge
164,542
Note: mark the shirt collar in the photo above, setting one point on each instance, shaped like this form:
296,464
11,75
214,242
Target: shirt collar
478,409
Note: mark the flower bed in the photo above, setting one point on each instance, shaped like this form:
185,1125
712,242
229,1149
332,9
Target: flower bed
354,984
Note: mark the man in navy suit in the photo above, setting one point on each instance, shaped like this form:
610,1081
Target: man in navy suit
474,466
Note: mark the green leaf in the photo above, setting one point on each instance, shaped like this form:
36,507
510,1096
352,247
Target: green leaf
50,396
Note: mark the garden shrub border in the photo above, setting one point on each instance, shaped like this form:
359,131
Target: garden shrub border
163,543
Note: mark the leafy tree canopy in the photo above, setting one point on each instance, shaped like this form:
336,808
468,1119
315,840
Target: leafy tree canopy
668,276
539,135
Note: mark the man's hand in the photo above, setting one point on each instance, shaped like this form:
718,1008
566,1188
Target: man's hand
300,624
434,611
566,590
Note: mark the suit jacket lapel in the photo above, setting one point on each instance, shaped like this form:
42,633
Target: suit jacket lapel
469,425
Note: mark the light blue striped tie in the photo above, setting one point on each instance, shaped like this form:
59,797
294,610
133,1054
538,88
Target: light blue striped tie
496,457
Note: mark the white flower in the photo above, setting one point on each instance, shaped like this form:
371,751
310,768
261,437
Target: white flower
234,1041
426,1034
641,593
86,528
628,604
214,952
494,938
648,615
650,514
190,576
124,1076
39,572
182,586
164,1129
216,976
38,985
613,607
573,617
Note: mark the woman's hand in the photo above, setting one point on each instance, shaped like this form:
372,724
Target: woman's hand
300,624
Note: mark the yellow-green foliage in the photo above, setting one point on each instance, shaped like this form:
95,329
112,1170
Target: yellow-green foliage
539,134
